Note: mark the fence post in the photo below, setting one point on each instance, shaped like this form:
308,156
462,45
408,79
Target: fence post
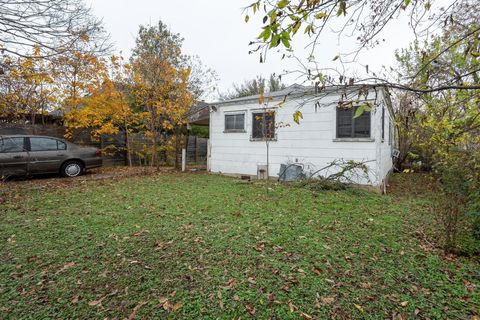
184,159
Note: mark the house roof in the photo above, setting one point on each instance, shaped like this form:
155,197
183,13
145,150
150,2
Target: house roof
294,90
200,111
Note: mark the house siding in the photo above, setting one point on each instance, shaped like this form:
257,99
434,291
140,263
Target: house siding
312,142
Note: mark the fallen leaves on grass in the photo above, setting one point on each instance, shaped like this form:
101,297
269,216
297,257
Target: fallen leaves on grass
135,310
250,309
252,280
292,307
168,306
66,266
99,301
230,284
327,300
75,299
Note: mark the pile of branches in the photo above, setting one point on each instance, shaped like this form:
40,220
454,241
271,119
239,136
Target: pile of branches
337,175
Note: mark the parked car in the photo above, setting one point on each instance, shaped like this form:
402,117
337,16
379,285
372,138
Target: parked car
25,155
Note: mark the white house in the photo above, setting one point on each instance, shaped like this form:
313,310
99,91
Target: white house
247,137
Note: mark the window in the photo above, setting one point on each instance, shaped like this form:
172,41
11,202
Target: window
11,145
350,127
61,145
263,125
46,144
235,122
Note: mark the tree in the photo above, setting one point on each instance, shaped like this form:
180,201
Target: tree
167,45
161,85
26,88
255,86
104,108
55,26
284,20
77,74
446,122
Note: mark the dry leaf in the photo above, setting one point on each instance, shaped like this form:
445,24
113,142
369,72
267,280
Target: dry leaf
97,302
75,299
271,297
327,300
292,307
177,306
366,285
359,307
404,303
230,284
236,298
306,316
135,310
316,270
252,280
162,300
250,309
66,266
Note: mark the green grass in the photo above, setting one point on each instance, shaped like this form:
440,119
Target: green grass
216,248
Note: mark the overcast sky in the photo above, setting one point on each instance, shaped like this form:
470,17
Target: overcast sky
215,30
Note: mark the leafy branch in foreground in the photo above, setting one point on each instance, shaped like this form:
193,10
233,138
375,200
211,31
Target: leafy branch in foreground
284,21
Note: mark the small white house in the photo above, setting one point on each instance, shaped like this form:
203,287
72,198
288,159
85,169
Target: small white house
248,137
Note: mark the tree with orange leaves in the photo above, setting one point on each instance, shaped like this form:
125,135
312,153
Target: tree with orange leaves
160,85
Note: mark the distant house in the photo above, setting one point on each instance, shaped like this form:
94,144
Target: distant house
240,128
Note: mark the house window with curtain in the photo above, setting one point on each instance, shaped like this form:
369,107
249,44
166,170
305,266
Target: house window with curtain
350,127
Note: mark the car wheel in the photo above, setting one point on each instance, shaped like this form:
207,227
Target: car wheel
72,169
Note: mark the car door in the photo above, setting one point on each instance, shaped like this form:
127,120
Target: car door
46,154
13,157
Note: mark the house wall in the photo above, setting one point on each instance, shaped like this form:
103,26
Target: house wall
385,146
312,142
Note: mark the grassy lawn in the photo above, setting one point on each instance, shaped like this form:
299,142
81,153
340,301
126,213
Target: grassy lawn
203,246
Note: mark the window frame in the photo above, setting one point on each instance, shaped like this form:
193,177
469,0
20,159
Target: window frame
352,130
225,130
263,112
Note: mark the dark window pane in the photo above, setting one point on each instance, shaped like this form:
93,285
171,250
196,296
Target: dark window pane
43,144
234,122
362,125
344,123
229,122
11,145
263,125
239,121
350,127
